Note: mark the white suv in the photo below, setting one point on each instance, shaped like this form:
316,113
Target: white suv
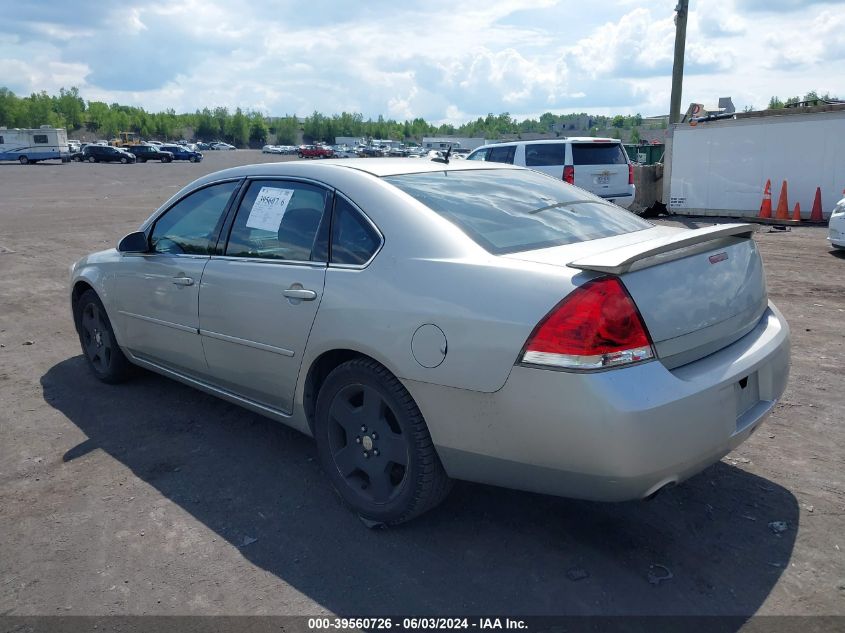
599,165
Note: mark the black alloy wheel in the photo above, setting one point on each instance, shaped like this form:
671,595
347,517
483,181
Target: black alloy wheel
104,356
375,446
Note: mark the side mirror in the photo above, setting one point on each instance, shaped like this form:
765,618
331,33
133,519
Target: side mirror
134,243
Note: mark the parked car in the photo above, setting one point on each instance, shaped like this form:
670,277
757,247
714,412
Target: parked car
315,151
372,151
836,225
222,146
524,333
271,149
203,147
149,152
181,152
343,152
598,165
102,154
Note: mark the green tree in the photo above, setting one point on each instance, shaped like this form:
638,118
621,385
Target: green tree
237,129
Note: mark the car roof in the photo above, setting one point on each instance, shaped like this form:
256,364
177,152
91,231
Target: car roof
378,167
569,139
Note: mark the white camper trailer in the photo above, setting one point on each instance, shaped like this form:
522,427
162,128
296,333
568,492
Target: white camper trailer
32,146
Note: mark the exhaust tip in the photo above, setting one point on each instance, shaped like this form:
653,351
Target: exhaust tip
666,485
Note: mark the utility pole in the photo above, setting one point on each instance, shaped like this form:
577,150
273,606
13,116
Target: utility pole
678,66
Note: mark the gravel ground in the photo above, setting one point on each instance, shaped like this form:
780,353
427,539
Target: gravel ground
152,498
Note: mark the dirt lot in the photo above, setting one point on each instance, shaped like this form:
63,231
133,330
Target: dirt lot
152,498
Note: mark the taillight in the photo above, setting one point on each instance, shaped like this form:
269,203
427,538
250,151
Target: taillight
630,174
569,174
596,326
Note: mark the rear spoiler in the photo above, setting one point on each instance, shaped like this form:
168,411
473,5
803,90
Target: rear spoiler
620,260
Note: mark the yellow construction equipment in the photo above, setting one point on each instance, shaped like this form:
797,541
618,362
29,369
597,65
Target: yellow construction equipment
125,138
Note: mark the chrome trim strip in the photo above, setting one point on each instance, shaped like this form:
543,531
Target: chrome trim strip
263,409
246,342
265,260
175,326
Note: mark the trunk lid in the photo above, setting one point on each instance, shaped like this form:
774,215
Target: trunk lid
698,291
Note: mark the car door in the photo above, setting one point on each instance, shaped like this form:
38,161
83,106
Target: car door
258,300
158,291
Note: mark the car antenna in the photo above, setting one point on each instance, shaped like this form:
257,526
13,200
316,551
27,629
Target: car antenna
445,158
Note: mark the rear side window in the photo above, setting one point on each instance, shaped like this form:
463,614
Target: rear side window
278,219
598,154
40,138
354,241
545,155
502,154
511,210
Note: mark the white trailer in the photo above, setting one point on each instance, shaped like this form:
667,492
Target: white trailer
721,167
34,145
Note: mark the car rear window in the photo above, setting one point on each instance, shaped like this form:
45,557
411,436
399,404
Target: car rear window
598,154
512,210
545,154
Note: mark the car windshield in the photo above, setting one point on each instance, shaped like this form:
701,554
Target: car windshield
512,210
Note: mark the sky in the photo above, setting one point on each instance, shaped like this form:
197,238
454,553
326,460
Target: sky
443,60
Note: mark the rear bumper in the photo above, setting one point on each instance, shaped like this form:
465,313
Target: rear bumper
836,231
613,435
622,200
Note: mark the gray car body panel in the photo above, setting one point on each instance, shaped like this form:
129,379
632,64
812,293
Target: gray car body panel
581,433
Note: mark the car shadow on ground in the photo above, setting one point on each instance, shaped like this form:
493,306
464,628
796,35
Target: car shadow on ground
704,547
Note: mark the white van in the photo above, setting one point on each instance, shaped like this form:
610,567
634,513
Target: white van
599,165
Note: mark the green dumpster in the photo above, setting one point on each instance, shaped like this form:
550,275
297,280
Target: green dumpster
645,154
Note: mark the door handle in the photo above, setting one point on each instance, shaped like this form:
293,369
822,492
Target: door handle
300,293
183,281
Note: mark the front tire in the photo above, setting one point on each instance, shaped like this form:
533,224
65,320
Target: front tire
99,345
375,446
124,160
92,159
23,160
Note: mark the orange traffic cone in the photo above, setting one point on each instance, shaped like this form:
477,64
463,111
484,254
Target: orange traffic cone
796,214
816,213
766,205
782,212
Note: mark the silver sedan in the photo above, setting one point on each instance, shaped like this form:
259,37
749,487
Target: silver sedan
426,321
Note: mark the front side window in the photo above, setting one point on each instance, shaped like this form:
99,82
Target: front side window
40,139
191,225
1,140
354,241
280,219
512,210
502,154
480,154
545,154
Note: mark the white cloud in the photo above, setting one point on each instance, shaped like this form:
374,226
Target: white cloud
435,58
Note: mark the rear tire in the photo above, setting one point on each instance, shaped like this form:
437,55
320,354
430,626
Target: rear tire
92,159
99,345
374,444
23,160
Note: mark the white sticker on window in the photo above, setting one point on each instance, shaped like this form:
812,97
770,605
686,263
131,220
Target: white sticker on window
269,209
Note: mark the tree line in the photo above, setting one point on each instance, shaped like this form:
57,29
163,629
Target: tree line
242,128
